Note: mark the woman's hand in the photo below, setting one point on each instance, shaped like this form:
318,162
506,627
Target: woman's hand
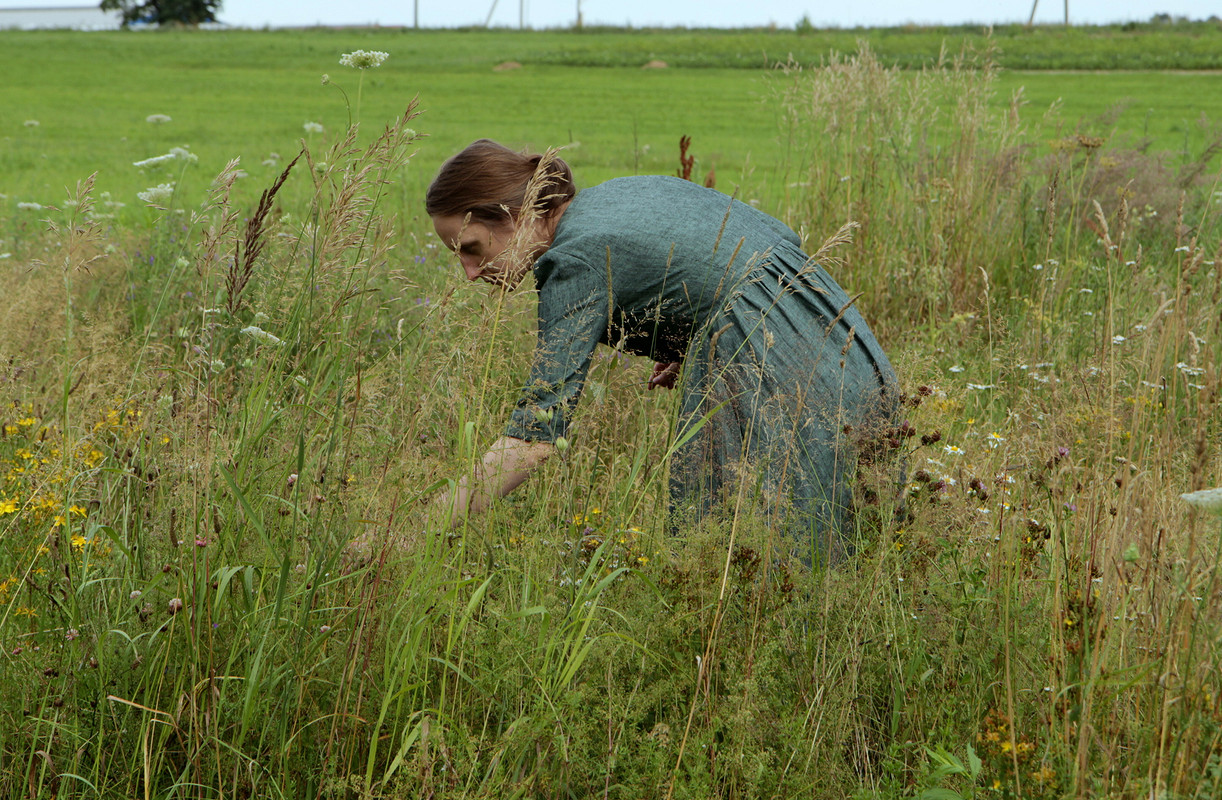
665,375
504,467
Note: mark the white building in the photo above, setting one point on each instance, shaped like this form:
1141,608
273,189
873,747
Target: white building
81,18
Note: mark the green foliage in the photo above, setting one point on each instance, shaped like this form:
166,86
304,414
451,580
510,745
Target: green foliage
164,12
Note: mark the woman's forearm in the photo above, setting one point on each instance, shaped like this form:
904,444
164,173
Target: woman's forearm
503,468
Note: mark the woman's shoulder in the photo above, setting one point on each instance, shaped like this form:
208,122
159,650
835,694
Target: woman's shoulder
643,187
675,209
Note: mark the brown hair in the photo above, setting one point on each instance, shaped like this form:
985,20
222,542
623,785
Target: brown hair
492,183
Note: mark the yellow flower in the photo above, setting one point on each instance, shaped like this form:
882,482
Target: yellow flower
22,611
27,422
79,542
8,506
60,521
10,430
78,510
1043,775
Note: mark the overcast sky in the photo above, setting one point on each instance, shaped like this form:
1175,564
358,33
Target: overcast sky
714,13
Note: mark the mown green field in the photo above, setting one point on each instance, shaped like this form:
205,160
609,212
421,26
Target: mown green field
205,402
247,94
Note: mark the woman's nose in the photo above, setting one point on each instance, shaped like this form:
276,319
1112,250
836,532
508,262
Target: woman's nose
472,268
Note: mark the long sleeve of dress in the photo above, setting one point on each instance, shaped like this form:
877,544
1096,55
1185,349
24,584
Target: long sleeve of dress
573,318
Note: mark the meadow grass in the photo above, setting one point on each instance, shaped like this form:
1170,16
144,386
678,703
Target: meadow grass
204,404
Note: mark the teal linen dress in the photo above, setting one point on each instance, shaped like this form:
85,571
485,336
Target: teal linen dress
782,379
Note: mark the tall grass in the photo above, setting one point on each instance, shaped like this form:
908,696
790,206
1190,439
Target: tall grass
193,435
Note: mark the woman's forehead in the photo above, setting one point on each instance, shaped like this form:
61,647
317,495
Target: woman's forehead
456,228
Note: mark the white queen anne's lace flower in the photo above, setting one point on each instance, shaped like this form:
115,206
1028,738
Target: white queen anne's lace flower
157,119
260,335
161,193
363,59
175,154
312,127
1206,500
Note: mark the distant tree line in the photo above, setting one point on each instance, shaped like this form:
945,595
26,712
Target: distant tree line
164,12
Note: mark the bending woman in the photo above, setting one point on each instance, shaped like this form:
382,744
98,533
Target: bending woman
779,371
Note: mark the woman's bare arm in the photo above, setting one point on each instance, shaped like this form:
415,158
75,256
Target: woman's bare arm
503,468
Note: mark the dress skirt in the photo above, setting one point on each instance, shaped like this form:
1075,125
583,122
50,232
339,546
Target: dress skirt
785,391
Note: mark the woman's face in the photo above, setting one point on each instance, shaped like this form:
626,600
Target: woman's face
483,249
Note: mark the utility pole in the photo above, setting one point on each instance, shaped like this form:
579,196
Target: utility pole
1035,5
578,14
416,14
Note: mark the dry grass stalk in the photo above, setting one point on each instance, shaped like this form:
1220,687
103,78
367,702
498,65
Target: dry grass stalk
247,250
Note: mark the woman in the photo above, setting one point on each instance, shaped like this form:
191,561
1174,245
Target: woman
782,379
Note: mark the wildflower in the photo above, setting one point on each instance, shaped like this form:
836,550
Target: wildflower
134,594
79,542
157,119
7,506
313,127
1206,500
155,161
325,79
994,439
32,123
363,59
160,193
175,605
956,368
29,206
324,628
71,634
953,449
260,335
1118,339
